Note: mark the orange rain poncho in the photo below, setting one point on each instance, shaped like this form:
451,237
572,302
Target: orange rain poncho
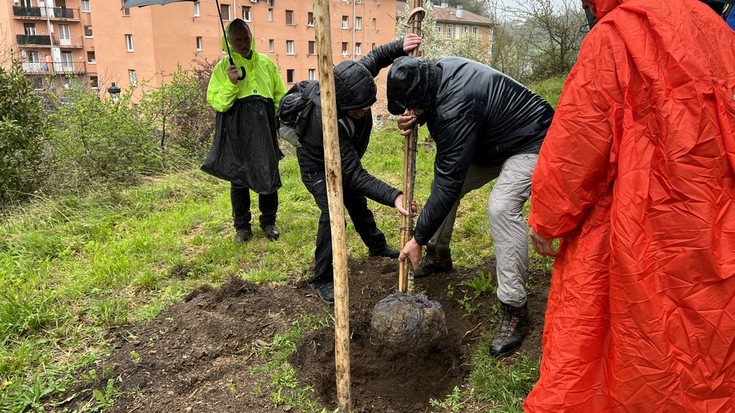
636,176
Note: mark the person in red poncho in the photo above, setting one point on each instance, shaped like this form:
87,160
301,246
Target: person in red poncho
636,177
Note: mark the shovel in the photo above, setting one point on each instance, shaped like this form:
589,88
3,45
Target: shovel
402,322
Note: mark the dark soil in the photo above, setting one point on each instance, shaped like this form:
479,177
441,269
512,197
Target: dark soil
203,354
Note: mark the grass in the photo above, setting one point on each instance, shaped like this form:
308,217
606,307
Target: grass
70,268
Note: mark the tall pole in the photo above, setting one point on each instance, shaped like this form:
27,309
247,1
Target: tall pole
333,169
405,282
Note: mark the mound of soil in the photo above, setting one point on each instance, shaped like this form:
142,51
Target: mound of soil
202,354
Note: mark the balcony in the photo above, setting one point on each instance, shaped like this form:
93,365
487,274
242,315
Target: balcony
55,68
44,40
72,42
33,40
41,13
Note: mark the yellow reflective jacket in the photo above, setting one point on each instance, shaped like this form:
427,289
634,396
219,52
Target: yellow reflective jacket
262,79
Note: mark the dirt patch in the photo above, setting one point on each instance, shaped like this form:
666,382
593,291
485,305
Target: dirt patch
202,355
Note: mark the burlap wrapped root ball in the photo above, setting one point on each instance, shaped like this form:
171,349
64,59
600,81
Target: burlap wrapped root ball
404,323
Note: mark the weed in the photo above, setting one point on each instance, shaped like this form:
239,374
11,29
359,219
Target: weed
452,403
481,283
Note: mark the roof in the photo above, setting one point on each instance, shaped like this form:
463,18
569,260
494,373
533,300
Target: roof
449,14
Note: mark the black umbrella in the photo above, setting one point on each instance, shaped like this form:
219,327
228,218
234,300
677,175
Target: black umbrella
141,3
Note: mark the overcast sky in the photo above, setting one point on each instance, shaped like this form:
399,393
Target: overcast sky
501,4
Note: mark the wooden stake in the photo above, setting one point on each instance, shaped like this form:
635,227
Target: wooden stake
405,279
333,169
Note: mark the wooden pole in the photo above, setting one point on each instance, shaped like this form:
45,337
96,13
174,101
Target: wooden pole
333,169
405,281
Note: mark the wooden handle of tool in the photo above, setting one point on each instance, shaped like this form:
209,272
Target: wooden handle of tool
409,166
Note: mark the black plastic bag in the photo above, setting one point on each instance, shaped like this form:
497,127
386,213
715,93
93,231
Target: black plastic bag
245,147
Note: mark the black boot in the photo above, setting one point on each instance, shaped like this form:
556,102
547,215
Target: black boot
384,251
243,234
434,262
514,324
271,232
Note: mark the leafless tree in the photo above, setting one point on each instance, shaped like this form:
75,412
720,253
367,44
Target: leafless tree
556,34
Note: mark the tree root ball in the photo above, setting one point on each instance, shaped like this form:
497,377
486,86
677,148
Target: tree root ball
404,323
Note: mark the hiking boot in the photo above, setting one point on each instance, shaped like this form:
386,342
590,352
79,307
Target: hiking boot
434,262
243,235
271,232
514,324
325,291
384,251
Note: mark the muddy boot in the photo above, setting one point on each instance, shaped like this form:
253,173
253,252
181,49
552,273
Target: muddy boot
434,262
243,234
514,324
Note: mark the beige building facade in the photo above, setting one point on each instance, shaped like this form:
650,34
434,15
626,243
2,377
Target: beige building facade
100,42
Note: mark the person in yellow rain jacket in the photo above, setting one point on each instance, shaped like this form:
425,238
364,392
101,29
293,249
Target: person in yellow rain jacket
246,89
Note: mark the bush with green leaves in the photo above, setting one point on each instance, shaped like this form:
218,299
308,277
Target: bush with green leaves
98,141
22,132
179,113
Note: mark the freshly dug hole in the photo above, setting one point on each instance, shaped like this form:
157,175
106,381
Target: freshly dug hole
403,323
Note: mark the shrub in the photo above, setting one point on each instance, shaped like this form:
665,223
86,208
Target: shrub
22,132
98,141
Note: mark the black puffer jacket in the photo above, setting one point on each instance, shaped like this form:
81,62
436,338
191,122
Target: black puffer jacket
355,89
475,114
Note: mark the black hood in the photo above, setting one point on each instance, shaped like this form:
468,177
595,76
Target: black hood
412,82
354,86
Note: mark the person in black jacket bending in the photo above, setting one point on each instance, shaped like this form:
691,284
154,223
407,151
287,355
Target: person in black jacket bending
355,94
486,125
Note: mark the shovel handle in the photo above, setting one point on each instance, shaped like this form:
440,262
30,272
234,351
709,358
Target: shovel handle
405,275
409,177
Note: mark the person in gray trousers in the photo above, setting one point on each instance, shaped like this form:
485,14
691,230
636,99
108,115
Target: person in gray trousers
486,126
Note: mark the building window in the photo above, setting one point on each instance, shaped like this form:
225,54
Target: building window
438,28
85,5
67,61
29,29
345,22
375,23
449,31
358,23
270,15
197,10
88,31
199,43
246,14
457,31
129,42
312,74
225,10
133,77
289,46
475,29
33,57
91,57
125,11
64,35
289,17
271,45
310,19
465,29
312,47
93,82
289,75
345,48
358,49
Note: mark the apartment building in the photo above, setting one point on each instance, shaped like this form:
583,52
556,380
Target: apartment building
100,42
454,22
